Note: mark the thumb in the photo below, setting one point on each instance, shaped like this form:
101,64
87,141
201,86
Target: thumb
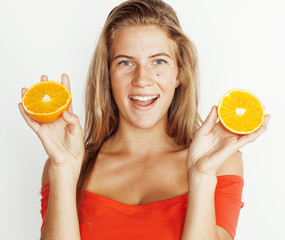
210,121
73,123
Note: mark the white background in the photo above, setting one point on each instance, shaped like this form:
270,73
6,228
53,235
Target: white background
240,44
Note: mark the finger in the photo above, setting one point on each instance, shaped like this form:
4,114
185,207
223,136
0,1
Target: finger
266,120
34,125
210,121
70,109
23,90
253,136
66,82
44,78
73,123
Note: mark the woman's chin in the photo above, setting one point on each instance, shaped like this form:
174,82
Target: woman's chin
143,120
146,123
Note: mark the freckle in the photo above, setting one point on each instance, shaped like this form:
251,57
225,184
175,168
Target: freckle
157,75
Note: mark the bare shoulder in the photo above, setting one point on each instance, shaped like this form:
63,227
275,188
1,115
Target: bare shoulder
233,166
45,176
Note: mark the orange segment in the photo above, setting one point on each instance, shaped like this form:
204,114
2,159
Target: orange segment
45,101
240,111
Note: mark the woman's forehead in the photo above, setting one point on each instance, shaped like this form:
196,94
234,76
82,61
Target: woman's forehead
143,40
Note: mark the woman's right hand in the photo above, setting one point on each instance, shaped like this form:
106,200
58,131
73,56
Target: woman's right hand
62,138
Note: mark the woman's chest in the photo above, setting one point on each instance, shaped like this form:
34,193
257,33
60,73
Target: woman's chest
107,219
139,182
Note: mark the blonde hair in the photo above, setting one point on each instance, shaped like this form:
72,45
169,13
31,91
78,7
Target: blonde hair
100,108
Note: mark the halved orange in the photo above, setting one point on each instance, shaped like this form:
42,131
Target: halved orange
45,101
240,111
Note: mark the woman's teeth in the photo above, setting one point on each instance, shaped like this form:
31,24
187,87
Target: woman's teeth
144,98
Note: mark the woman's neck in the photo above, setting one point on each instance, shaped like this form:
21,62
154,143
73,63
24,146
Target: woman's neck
133,141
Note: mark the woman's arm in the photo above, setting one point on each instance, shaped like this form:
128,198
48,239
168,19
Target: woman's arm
211,149
233,166
200,220
61,220
63,142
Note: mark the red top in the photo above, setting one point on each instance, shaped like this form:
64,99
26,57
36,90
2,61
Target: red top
105,218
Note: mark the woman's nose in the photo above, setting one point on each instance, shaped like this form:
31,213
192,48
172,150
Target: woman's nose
142,77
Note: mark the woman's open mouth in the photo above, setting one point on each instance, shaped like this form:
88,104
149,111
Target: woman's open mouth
143,102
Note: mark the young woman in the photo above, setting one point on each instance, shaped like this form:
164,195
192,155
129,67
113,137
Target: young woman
144,167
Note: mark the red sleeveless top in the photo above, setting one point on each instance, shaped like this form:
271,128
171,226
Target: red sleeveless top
107,219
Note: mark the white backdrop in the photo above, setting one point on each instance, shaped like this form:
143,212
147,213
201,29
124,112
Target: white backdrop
240,44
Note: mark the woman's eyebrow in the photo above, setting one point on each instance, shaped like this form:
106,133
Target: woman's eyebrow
160,54
122,56
152,56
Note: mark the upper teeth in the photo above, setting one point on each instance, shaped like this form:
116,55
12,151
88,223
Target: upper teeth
145,98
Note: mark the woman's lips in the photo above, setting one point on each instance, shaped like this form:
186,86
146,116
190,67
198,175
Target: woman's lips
144,103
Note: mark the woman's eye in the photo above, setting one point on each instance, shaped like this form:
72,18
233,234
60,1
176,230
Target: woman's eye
160,62
125,63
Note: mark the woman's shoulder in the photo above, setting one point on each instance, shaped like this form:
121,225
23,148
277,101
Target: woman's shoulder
233,166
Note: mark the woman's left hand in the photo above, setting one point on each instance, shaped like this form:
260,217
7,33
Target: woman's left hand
213,144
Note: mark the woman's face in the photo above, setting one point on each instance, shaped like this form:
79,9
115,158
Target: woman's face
143,72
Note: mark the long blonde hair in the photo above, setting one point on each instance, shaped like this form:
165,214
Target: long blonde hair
101,112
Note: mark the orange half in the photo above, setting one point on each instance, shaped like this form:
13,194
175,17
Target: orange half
240,111
45,101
